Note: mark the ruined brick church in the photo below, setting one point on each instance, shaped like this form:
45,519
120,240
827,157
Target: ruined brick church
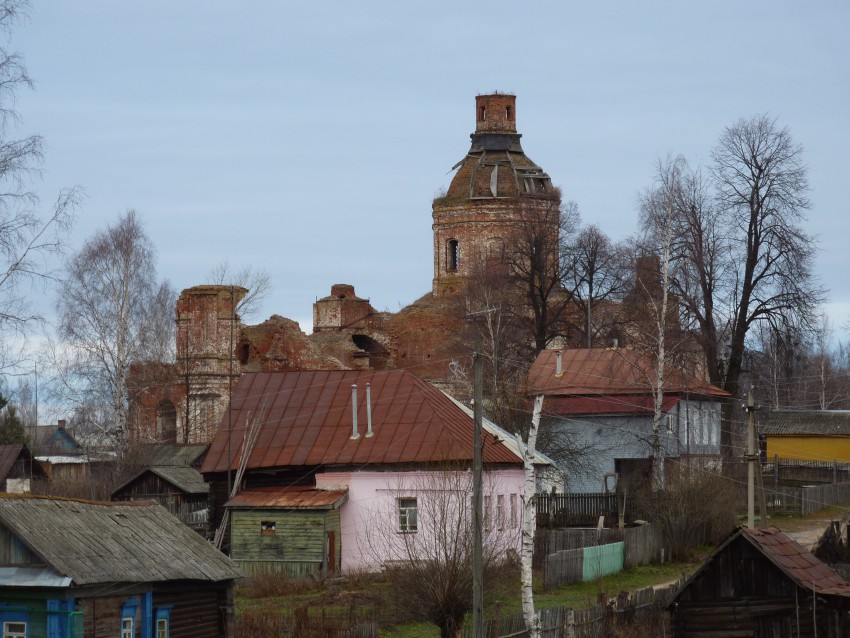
495,188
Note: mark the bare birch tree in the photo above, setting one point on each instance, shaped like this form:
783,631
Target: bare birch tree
29,237
112,312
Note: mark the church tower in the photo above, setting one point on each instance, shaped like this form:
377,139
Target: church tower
496,191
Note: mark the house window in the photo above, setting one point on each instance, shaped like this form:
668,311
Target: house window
407,515
452,254
163,619
514,517
500,511
128,618
267,528
14,630
487,510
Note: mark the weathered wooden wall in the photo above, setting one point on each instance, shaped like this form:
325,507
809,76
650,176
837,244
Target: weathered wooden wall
297,546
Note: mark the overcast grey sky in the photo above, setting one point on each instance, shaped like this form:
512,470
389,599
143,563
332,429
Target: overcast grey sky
309,138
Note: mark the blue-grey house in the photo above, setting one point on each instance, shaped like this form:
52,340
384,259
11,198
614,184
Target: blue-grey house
602,402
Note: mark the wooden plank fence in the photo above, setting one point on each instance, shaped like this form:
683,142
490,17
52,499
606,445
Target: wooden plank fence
796,472
575,508
645,608
642,544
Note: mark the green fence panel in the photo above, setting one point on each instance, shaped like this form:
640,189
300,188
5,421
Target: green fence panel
602,560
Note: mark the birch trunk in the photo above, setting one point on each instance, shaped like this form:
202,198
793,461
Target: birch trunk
529,521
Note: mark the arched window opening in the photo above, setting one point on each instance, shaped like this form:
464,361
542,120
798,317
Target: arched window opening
244,352
166,422
452,255
508,113
483,113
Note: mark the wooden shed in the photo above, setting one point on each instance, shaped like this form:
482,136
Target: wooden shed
18,468
760,583
291,529
179,489
75,568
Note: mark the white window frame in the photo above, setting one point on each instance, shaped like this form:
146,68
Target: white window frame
10,631
407,514
514,517
128,627
500,511
162,630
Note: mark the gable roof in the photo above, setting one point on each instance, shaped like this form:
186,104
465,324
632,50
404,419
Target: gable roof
187,479
811,422
10,453
307,421
94,543
47,439
161,454
609,371
791,558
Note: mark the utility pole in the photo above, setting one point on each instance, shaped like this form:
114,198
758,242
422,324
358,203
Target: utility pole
477,472
751,487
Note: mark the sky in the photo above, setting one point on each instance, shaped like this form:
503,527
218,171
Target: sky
309,139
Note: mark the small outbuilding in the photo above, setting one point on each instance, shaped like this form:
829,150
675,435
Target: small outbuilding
71,568
18,468
761,583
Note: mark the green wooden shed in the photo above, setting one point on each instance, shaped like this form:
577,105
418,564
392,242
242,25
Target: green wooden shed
291,529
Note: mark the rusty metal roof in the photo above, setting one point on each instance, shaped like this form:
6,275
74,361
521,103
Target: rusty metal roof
799,564
611,371
293,497
306,420
791,558
623,404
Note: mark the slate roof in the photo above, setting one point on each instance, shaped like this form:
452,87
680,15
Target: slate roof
293,497
791,558
608,372
95,543
161,454
808,422
307,421
186,479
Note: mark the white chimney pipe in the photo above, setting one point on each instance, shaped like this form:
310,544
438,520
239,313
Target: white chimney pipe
558,366
354,433
369,410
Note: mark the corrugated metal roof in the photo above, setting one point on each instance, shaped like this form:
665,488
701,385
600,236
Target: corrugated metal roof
307,421
113,542
612,371
293,497
32,577
623,404
812,422
799,564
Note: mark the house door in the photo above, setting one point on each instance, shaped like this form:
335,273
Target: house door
330,551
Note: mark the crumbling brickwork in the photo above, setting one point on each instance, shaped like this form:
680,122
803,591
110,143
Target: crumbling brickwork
496,190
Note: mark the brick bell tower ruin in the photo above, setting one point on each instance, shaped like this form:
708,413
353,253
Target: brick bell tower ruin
495,194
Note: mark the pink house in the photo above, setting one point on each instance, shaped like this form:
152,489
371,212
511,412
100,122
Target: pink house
351,469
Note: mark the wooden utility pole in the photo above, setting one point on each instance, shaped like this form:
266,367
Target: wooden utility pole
477,475
751,459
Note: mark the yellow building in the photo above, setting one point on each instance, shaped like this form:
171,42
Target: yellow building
807,435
